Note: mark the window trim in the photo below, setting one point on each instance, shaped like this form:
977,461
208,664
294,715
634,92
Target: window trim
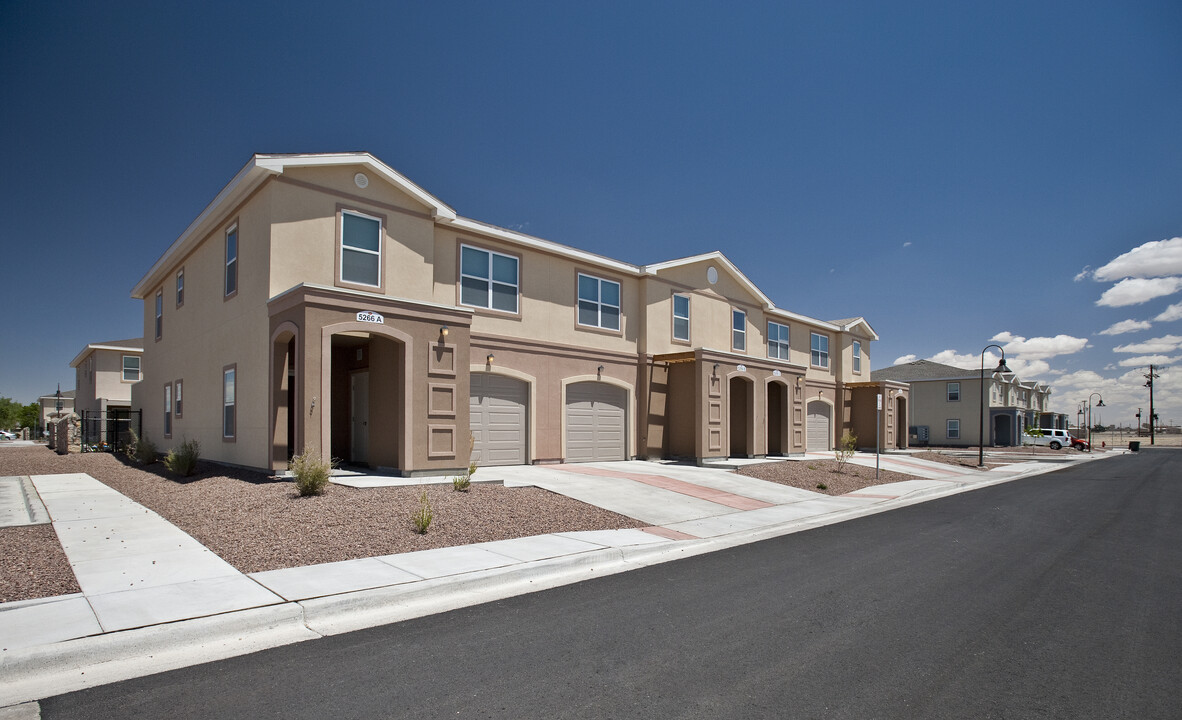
743,331
233,437
461,244
856,348
948,392
167,410
338,261
785,343
673,318
231,230
812,336
139,369
176,400
159,316
948,428
579,325
180,287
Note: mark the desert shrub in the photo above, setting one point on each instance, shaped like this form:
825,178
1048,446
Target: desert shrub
461,482
311,473
183,460
845,449
142,450
421,518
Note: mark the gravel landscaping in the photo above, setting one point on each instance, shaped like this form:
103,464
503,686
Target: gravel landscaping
32,564
257,523
811,474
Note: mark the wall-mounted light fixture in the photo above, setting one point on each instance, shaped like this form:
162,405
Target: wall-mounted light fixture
313,408
443,331
599,370
715,368
489,359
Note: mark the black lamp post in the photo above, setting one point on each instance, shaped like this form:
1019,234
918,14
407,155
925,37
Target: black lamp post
1098,404
1001,368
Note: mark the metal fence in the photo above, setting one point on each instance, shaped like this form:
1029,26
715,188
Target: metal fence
109,431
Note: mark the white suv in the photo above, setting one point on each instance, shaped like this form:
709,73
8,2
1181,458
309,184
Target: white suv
1054,438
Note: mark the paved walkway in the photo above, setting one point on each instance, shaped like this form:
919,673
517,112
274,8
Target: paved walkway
140,573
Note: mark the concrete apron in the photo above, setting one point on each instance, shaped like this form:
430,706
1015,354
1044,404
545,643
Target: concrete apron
292,611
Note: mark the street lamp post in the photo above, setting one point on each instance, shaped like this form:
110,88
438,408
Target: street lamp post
1001,368
1098,404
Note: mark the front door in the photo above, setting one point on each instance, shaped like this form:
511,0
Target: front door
359,416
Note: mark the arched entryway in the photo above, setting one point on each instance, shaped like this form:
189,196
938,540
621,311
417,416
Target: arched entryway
819,426
741,398
777,418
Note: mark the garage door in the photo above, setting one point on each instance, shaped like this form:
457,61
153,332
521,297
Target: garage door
819,426
498,421
595,426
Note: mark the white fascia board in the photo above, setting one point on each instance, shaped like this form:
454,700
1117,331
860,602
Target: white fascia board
246,180
716,255
805,319
860,321
91,348
529,241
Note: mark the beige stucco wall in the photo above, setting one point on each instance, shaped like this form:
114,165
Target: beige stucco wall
99,381
929,406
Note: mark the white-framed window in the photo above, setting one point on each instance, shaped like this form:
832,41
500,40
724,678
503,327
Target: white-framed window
953,392
159,314
131,368
361,249
777,340
180,287
819,350
231,276
229,403
681,319
857,356
168,410
488,279
177,400
599,302
953,430
739,330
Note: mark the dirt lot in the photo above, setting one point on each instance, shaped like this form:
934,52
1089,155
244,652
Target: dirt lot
820,476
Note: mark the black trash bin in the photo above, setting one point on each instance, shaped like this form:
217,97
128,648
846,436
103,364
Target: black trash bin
1134,445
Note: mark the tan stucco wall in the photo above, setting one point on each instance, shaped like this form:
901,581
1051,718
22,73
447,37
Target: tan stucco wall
929,406
99,381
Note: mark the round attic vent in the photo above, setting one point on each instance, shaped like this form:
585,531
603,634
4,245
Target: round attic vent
361,180
711,274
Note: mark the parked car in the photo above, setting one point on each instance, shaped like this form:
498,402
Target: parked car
1080,444
7,435
1054,438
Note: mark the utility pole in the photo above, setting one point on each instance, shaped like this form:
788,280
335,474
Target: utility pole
1152,416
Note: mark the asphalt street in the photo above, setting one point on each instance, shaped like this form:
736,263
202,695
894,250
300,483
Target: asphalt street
1056,596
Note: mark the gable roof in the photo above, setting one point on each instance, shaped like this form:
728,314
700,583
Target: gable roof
922,370
129,345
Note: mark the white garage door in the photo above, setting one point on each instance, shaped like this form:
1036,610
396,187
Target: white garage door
595,425
498,419
819,427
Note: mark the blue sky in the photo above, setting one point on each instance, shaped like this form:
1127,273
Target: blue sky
954,172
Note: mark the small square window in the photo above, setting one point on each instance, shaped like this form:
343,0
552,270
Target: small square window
819,350
739,330
488,279
681,318
599,302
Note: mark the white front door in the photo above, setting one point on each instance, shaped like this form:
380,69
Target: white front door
359,416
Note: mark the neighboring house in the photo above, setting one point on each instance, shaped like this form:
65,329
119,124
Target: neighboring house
104,374
326,302
946,404
49,406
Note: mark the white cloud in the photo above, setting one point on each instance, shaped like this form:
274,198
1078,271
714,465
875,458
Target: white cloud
1026,369
1134,291
1039,348
950,357
1084,274
1128,326
911,357
1146,360
1173,312
1163,344
1156,259
907,244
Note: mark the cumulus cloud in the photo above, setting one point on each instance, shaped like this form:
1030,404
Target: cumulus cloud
1163,344
1145,360
951,357
1039,348
1173,312
910,357
1134,291
907,244
1156,259
1127,326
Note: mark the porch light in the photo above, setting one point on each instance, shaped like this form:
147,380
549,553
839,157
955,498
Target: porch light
489,359
600,370
715,368
443,331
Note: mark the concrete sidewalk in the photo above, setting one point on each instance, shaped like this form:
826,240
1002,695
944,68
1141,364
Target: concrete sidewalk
153,598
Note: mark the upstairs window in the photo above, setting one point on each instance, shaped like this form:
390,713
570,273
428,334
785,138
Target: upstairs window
131,368
489,279
739,330
954,392
777,341
361,249
857,356
819,350
599,302
159,313
231,281
180,287
681,320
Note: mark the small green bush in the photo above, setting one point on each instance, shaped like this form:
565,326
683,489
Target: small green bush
142,450
421,518
311,473
822,486
845,451
461,483
183,461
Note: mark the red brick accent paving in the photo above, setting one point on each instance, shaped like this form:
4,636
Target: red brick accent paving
721,497
669,534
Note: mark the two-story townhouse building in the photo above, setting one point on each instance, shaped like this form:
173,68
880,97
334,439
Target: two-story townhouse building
946,404
104,374
326,302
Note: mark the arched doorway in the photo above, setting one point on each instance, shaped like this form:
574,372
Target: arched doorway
741,393
777,418
819,426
